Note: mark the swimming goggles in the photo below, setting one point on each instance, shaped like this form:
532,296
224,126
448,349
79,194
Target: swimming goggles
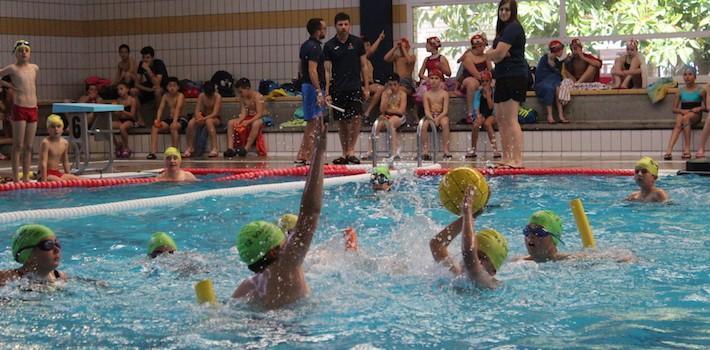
539,232
20,43
47,245
640,170
379,178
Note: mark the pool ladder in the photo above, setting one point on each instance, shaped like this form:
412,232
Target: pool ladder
374,137
434,136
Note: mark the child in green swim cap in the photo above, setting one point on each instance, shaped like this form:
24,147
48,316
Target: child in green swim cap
483,253
277,259
381,179
35,247
645,176
161,243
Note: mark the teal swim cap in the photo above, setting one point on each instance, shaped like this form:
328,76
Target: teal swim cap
550,221
26,238
160,239
256,239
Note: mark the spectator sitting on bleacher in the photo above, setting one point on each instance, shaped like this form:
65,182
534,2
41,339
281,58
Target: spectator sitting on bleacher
245,131
126,119
403,58
548,77
175,121
91,96
474,63
207,108
688,108
126,68
152,77
581,67
392,109
435,61
627,71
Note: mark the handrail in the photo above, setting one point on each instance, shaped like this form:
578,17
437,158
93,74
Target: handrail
435,136
373,139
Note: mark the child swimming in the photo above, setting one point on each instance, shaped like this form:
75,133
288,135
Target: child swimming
35,247
645,175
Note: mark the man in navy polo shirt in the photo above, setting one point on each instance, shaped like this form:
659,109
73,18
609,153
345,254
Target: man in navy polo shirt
345,57
313,75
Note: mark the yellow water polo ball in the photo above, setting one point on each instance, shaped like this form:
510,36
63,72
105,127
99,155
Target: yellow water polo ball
453,188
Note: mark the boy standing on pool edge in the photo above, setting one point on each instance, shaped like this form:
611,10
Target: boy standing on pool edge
277,257
24,108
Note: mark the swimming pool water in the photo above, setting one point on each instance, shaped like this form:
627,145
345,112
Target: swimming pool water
390,294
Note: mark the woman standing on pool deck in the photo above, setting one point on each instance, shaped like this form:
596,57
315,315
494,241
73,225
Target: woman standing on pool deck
511,74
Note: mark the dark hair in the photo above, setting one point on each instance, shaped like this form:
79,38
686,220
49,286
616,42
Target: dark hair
124,46
208,88
124,83
341,16
393,77
313,25
148,50
174,80
243,83
86,88
513,15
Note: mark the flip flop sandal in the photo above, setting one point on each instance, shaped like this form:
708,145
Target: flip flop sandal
340,161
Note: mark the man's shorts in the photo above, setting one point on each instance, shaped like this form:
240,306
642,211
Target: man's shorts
350,101
311,109
27,114
182,120
510,89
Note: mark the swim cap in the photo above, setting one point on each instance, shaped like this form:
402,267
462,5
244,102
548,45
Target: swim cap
26,238
382,170
555,45
287,222
172,151
452,189
479,38
494,245
160,239
54,119
256,239
486,75
649,164
550,221
20,44
436,73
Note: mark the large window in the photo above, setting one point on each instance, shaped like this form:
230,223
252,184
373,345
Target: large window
672,32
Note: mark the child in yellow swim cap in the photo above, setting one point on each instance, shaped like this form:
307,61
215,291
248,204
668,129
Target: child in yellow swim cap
172,171
483,253
645,175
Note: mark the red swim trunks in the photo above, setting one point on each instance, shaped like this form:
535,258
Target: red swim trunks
28,114
57,173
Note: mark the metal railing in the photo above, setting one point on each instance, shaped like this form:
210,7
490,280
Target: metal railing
374,137
433,143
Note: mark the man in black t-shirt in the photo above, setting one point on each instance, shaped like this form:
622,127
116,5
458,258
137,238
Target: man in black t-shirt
345,57
313,77
152,78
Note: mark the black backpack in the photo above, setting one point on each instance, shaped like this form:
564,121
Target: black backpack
224,82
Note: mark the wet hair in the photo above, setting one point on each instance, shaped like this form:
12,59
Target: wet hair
209,88
124,46
88,86
148,50
243,83
513,15
341,16
393,77
174,80
124,83
313,25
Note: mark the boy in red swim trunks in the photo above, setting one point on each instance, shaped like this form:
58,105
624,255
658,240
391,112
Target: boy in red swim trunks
53,151
248,125
24,109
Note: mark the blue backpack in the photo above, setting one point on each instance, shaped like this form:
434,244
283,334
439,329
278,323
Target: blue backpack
527,115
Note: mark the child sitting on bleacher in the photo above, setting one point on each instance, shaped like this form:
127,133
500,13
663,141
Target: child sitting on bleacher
485,117
688,108
245,131
126,119
175,101
91,96
207,108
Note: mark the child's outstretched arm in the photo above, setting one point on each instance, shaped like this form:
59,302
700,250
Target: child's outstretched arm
469,247
311,202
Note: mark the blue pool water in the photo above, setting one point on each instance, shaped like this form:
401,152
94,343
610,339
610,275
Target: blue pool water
390,294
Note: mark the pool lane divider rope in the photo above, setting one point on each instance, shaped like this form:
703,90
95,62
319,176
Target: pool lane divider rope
180,199
535,172
238,174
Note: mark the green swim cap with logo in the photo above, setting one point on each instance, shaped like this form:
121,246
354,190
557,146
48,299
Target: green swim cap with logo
256,239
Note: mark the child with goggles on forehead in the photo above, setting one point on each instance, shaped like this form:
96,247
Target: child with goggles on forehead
35,247
645,176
